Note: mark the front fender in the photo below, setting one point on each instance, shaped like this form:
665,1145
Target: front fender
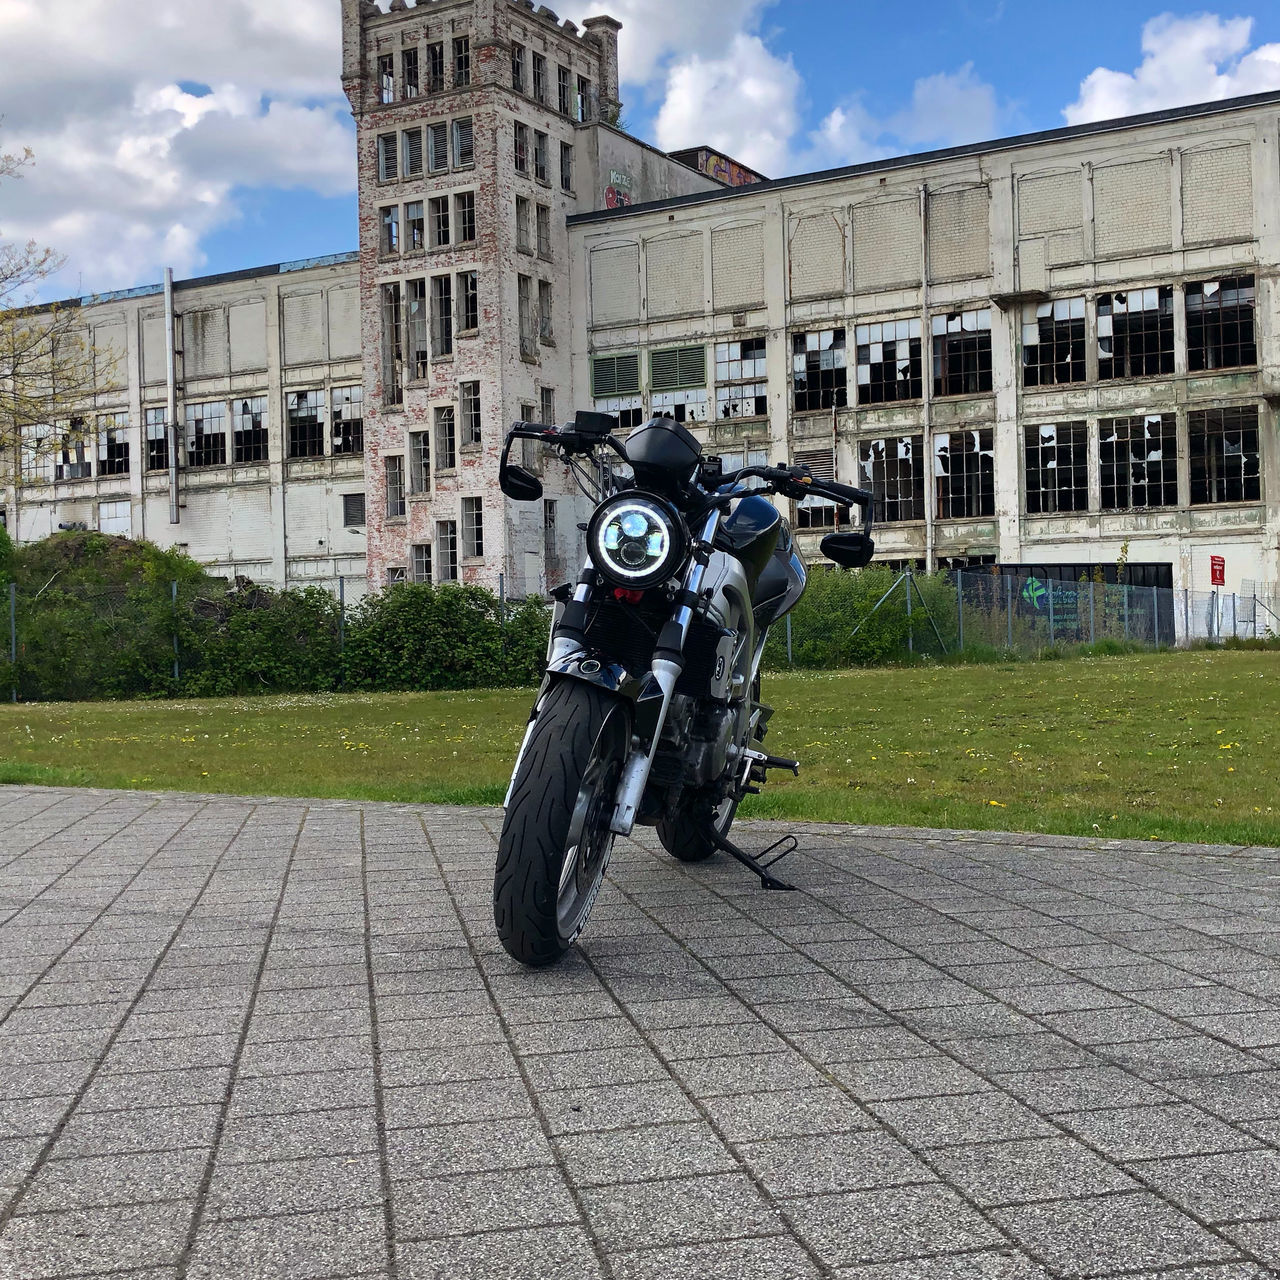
593,666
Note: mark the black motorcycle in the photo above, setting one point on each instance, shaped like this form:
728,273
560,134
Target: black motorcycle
650,709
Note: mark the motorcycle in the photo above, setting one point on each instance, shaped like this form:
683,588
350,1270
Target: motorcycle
650,710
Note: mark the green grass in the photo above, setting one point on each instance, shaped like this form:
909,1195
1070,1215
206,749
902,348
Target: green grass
1177,746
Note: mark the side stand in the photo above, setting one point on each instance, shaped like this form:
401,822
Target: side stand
761,863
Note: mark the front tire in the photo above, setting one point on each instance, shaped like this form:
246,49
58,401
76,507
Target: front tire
555,841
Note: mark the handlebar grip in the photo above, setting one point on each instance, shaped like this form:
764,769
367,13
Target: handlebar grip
845,494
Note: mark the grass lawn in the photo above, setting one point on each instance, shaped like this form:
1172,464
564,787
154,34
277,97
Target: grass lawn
1176,746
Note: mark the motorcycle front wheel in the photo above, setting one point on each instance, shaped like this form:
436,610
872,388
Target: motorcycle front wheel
555,841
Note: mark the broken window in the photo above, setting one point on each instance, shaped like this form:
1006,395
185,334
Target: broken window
629,410
36,461
582,101
564,91
386,78
116,518
469,412
889,361
678,383
615,387
752,454
306,424
468,302
742,388
818,373
394,464
965,471
447,550
547,405
409,73
539,77
540,146
544,231
528,317
395,575
1052,342
1220,332
818,513
411,145
438,208
517,66
464,149
206,435
461,61
419,331
438,147
893,469
390,240
1135,333
113,444
435,67
421,562
415,227
1139,459
522,147
1057,464
419,461
546,319
249,429
566,166
962,353
392,344
473,528
353,510
441,316
464,214
524,242
347,410
73,460
446,438
1224,455
157,440
388,160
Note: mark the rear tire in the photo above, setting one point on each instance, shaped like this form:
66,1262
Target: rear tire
561,803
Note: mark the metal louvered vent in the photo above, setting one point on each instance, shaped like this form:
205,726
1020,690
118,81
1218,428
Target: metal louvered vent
675,368
821,462
615,376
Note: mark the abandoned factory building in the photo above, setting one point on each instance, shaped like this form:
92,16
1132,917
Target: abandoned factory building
1057,348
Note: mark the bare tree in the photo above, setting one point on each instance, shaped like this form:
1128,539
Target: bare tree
46,363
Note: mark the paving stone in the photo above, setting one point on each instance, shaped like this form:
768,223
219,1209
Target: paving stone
1159,1060
480,1146
744,1117
777,1257
93,1133
1102,1235
1037,1169
98,1181
648,1152
618,1106
884,1225
1083,1089
563,1252
1219,1188
306,1246
341,1132
1007,1265
824,1164
1140,1133
684,1210
908,1078
978,1117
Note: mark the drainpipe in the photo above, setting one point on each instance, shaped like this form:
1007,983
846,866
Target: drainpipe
926,384
171,412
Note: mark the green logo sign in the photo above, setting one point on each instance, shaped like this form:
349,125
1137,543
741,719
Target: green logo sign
1034,593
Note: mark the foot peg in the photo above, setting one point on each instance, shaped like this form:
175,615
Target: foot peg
762,861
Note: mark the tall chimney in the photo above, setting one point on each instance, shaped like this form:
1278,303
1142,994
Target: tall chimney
603,33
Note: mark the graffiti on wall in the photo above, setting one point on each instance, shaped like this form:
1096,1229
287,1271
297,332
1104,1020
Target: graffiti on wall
617,195
730,172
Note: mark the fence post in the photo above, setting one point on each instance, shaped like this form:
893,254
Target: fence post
174,596
789,662
502,599
1051,629
1255,615
911,634
1126,609
342,613
960,607
1155,616
13,638
1008,595
1091,627
1235,616
1186,613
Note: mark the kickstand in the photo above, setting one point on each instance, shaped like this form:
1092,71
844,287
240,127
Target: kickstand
761,863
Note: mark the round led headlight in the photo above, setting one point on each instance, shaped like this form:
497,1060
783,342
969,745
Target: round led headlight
635,541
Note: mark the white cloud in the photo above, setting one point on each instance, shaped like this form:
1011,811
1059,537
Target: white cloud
745,103
132,170
1201,58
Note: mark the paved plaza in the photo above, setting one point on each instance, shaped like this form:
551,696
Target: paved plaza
244,1039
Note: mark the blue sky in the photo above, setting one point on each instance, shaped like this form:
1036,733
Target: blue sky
216,138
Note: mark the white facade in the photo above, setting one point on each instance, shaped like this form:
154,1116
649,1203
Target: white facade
1105,379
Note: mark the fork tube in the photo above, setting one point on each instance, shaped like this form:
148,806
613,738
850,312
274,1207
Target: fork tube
667,666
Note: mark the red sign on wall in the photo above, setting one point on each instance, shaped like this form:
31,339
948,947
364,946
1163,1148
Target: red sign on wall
1218,571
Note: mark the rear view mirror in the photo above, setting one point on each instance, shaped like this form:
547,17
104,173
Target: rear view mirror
518,484
588,423
849,550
